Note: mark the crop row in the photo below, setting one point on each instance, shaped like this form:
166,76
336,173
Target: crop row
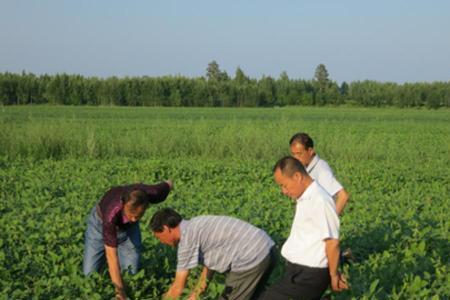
397,225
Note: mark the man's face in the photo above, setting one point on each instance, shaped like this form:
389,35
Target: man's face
166,236
133,214
290,186
303,155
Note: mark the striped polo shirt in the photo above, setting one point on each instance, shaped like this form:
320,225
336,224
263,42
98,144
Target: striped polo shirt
222,244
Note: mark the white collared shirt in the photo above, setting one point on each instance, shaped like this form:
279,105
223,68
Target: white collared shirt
319,170
315,221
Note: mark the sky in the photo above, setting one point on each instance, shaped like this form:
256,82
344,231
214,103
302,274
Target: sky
396,40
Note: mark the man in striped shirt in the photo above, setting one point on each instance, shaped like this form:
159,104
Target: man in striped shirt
219,243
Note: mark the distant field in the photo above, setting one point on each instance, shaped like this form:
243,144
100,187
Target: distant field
55,162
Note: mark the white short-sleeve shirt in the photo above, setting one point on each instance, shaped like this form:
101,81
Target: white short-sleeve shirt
315,221
319,170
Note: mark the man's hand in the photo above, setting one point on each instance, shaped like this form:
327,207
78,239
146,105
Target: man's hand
120,295
193,296
198,291
338,282
341,201
177,287
170,183
114,271
202,284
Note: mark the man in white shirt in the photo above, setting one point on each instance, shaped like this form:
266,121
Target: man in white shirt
312,248
302,148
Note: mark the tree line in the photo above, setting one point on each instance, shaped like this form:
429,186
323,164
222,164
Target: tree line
217,89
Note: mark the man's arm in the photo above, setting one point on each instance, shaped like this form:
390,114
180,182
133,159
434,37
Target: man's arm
202,283
114,271
177,287
338,282
327,180
341,201
157,192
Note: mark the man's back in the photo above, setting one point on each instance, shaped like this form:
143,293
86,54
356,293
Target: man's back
222,243
320,171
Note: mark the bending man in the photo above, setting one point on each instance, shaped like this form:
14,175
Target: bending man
113,229
219,243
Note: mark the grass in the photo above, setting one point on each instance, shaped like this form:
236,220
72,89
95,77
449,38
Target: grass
72,132
55,163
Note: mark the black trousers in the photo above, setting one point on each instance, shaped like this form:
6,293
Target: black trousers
299,283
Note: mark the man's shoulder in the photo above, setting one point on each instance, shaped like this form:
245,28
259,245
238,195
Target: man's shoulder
197,220
111,199
323,165
319,190
211,219
113,190
318,195
194,225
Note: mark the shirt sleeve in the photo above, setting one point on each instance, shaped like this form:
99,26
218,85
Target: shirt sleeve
157,192
187,255
110,234
329,182
327,221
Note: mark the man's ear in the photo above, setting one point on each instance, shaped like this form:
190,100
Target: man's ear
298,176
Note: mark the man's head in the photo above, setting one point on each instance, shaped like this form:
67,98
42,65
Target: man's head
165,225
134,204
291,176
302,148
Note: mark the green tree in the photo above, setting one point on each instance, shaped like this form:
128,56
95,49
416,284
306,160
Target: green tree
322,83
283,89
343,89
8,88
321,77
266,91
213,72
240,77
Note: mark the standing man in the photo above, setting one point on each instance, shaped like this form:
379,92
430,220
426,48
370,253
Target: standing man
113,229
312,248
219,243
302,148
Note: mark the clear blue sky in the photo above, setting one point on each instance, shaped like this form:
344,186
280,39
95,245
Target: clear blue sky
396,40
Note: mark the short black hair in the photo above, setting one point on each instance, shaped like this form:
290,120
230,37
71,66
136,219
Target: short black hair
288,165
136,198
164,216
302,138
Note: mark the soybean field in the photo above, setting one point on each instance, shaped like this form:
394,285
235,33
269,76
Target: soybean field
57,161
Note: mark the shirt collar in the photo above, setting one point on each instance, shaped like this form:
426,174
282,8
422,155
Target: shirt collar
124,218
313,163
183,225
307,192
